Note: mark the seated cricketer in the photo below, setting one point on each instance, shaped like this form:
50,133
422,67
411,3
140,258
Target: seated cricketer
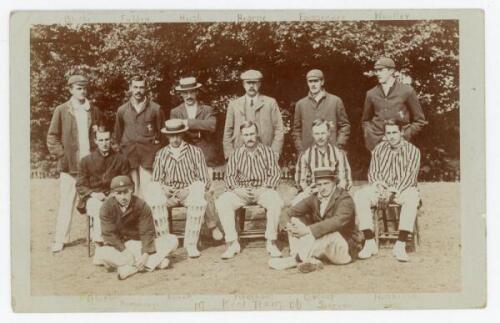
95,173
392,177
130,242
182,178
321,154
252,175
321,227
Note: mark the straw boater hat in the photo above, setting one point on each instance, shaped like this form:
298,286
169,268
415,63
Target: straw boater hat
174,126
187,83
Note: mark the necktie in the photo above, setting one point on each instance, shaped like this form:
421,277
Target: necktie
251,102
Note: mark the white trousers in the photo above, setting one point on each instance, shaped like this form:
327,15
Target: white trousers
331,246
229,202
93,207
141,178
111,257
67,204
367,197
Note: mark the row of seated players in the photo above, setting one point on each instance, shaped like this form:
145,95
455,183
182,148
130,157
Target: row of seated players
320,221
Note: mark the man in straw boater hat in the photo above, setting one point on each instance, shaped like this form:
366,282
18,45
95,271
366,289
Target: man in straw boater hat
130,242
180,177
257,108
252,175
199,118
390,99
320,104
321,227
69,139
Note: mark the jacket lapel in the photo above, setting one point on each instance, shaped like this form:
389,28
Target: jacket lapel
333,198
240,104
200,110
183,110
260,104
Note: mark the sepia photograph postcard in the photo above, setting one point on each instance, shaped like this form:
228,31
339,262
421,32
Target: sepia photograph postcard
247,160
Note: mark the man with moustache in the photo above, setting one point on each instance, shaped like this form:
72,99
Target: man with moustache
319,104
130,242
94,178
137,132
254,107
320,155
321,227
199,118
252,175
392,177
68,138
180,177
388,100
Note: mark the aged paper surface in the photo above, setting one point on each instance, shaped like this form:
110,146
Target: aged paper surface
32,276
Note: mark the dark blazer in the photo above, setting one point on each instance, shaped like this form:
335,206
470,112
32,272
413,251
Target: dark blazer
62,136
138,134
339,217
95,174
201,130
401,103
135,224
331,108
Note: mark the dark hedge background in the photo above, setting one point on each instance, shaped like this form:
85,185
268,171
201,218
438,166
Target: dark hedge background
426,53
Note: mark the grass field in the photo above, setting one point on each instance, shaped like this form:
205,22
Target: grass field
435,267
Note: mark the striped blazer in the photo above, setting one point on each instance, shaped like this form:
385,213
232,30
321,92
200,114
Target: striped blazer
397,167
255,168
180,172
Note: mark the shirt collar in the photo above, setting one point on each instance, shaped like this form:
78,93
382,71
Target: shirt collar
321,94
182,147
77,105
255,98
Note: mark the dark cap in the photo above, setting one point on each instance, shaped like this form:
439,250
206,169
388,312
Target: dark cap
325,173
121,183
384,62
77,79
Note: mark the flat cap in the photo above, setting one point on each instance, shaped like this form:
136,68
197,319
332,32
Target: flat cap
325,172
121,183
251,75
77,79
315,74
385,62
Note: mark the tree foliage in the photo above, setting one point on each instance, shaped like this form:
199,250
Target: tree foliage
426,53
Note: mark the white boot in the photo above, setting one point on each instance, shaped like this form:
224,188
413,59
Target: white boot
282,263
399,251
233,249
272,249
126,271
370,249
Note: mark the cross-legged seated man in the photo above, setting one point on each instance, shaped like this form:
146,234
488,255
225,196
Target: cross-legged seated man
130,243
252,175
321,227
182,174
94,177
392,177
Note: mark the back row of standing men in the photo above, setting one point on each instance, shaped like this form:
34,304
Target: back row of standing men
139,124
